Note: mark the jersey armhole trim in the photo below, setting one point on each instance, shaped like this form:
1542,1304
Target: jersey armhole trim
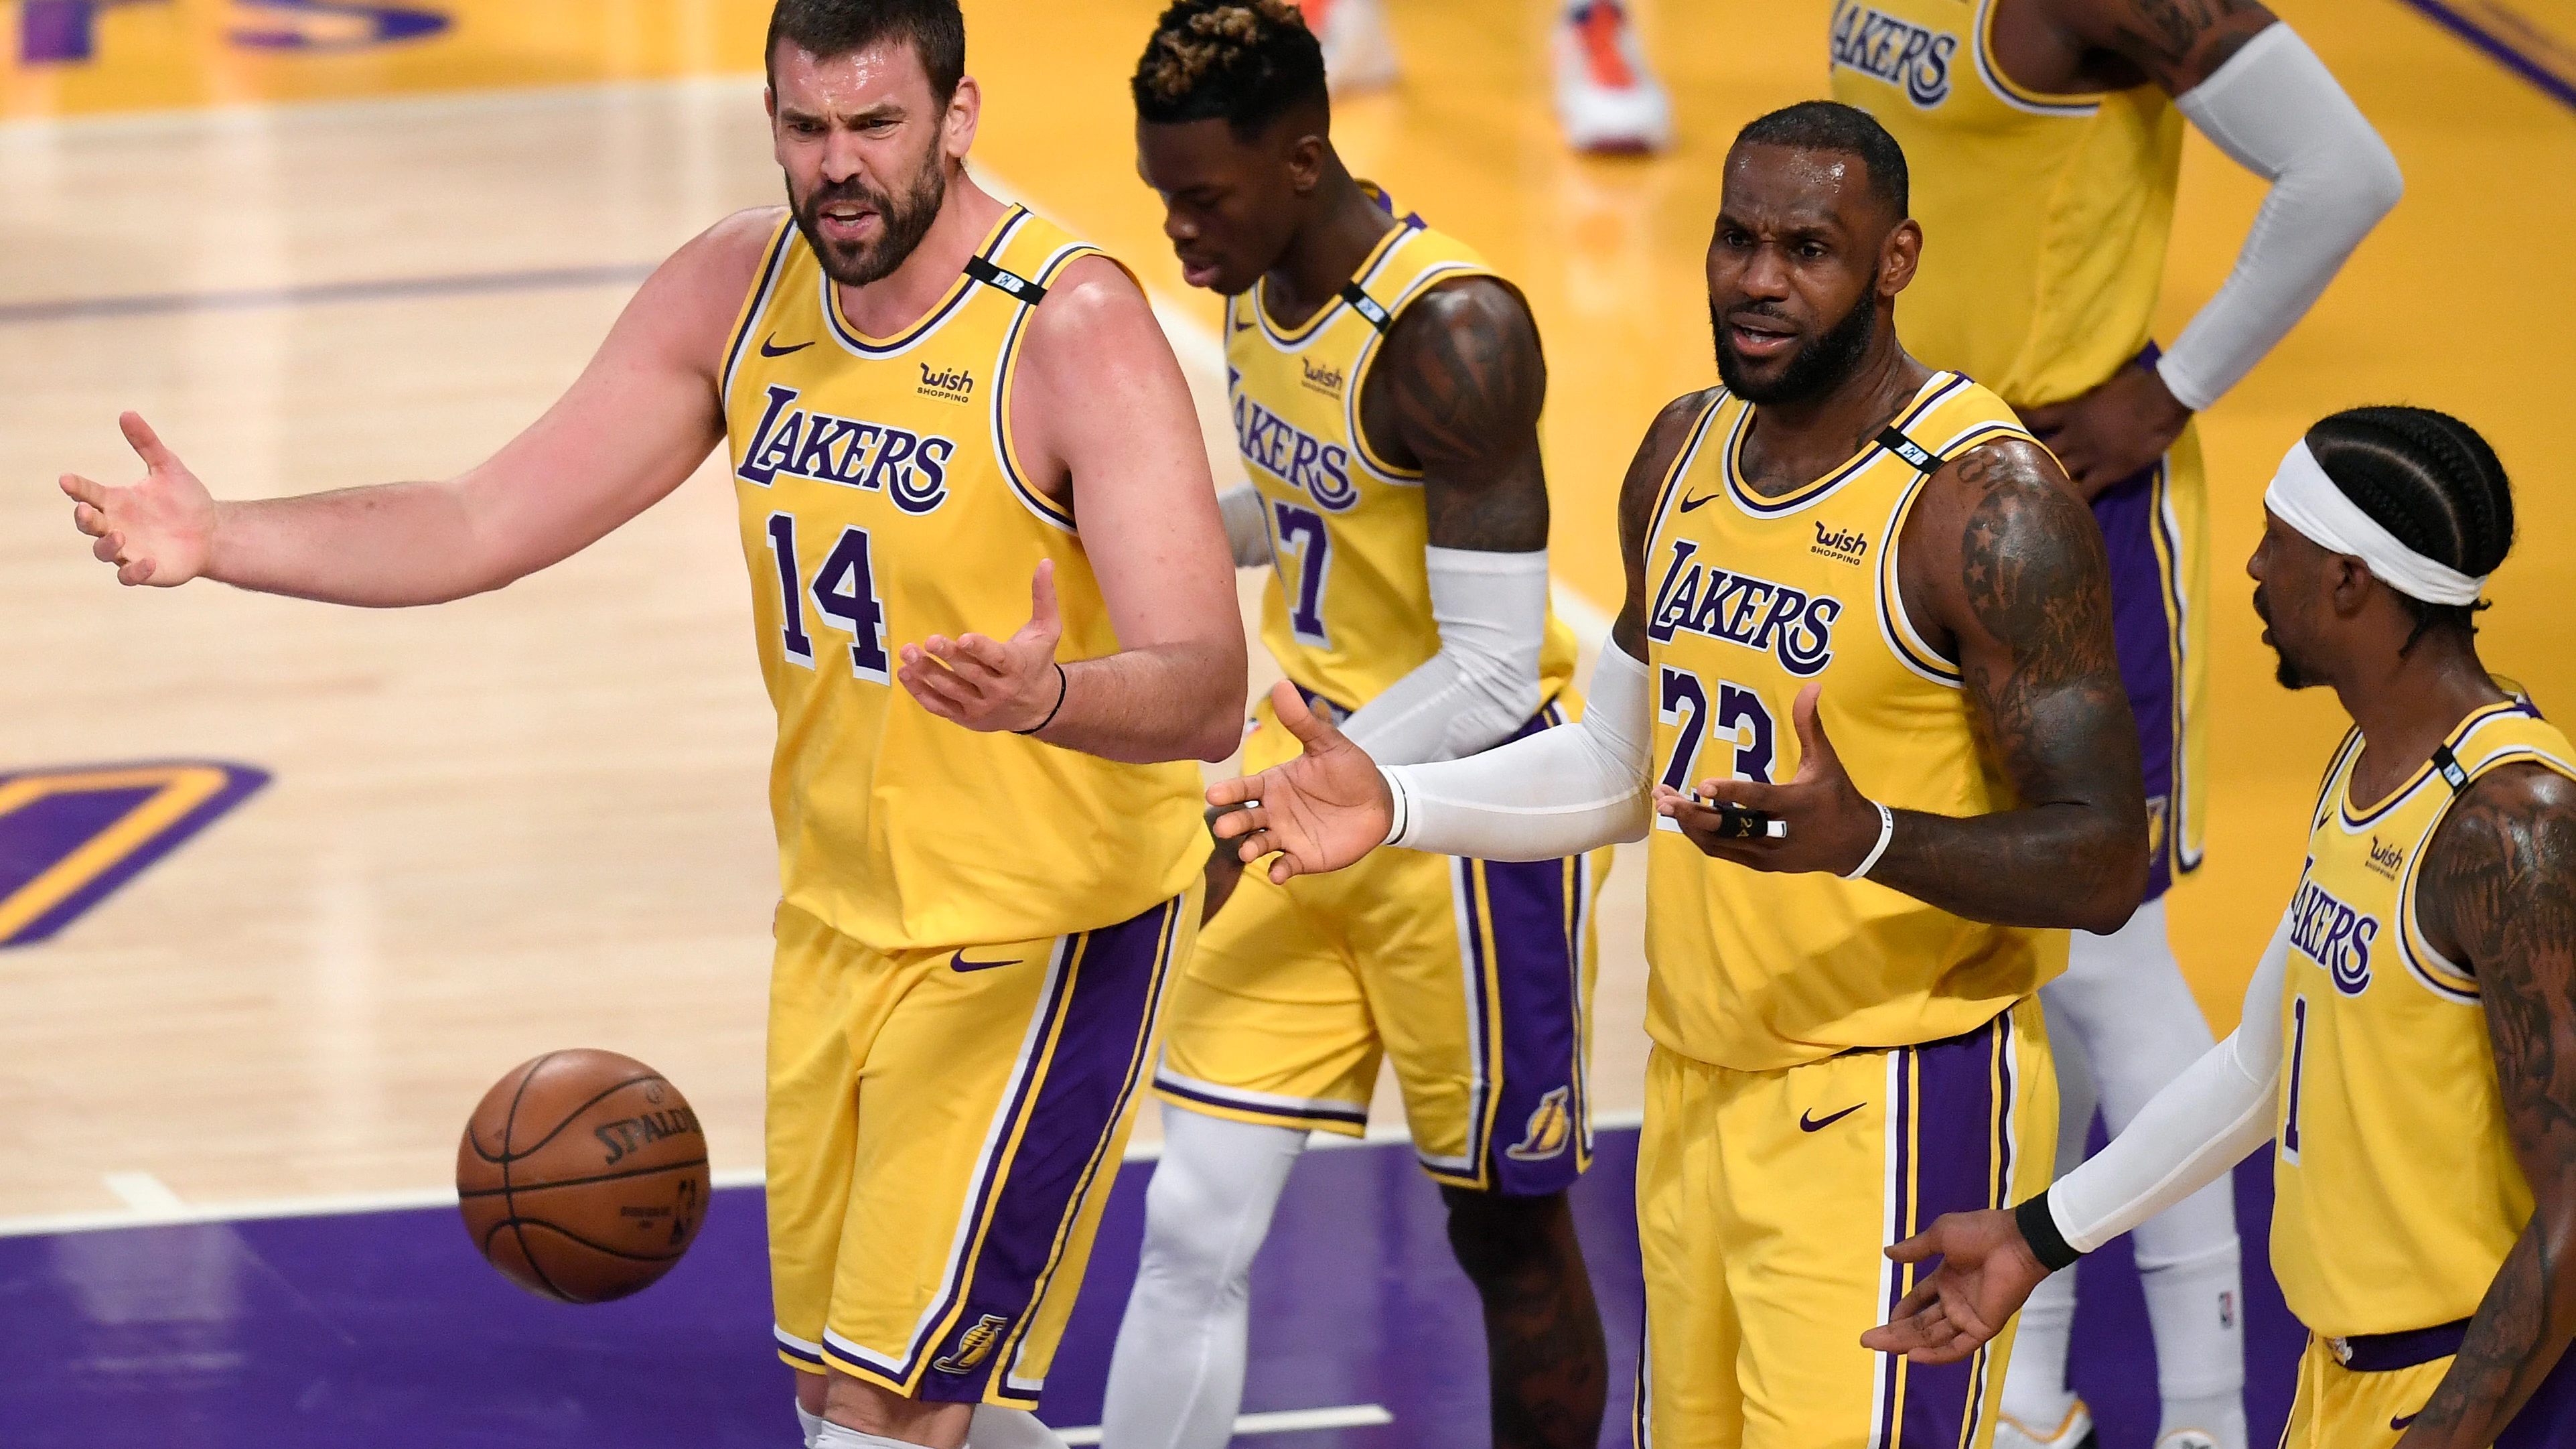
1005,448
1430,276
1895,626
2020,98
2431,969
755,304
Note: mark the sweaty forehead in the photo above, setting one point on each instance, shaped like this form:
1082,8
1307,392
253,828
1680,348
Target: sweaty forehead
1795,186
884,74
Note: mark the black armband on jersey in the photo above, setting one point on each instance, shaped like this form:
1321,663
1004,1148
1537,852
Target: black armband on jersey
2039,1229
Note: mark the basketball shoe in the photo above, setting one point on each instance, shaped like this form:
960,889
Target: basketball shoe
1606,99
2075,1433
1359,51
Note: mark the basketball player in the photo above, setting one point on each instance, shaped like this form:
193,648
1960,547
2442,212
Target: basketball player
2422,987
988,831
1386,388
1863,603
2046,137
1607,99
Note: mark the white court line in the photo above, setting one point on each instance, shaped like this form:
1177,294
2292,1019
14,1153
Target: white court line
143,1192
1285,1421
170,1210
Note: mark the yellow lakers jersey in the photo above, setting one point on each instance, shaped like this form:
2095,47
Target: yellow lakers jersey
882,501
1755,598
2396,1191
1347,611
2045,217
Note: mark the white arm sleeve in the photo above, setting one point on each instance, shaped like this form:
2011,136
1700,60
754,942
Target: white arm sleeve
1483,684
2203,1123
2276,110
1247,525
1559,792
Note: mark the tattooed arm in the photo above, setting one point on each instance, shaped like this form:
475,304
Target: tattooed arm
1456,395
2499,892
2072,46
2002,569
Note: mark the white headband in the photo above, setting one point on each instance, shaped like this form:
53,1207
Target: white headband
2303,497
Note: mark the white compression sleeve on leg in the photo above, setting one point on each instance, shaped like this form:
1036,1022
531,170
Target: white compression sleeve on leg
1247,526
2216,1112
1176,1374
2035,1391
842,1436
998,1428
1558,792
1483,684
2277,111
809,1421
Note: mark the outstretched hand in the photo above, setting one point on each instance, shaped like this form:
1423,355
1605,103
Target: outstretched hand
993,684
1831,824
159,531
1318,812
1987,1271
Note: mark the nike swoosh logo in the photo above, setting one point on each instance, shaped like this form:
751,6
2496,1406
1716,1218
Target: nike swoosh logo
959,962
2403,1420
1690,503
766,350
1806,1123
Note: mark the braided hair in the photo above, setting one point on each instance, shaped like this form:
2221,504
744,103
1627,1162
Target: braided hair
1245,62
2431,481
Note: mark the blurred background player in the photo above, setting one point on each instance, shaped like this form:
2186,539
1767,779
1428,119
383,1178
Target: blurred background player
1846,1029
923,1259
1607,98
1386,388
2422,986
2046,141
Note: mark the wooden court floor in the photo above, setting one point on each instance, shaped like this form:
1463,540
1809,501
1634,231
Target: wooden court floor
536,819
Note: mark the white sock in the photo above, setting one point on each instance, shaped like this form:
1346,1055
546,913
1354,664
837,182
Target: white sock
842,1436
2124,995
2198,1305
810,1422
1176,1375
1000,1428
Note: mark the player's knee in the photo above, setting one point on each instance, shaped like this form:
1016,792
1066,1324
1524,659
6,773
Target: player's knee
1497,1237
1192,1218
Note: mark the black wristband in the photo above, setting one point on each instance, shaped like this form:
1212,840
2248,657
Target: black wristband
2039,1229
1063,686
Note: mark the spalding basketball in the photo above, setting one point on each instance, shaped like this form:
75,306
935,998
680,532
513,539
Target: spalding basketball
583,1176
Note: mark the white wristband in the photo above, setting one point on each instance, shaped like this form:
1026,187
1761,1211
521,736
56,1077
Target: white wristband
1886,833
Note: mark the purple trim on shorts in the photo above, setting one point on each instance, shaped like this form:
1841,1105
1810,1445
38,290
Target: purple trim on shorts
1957,1116
1538,1106
1112,993
1352,1116
2130,513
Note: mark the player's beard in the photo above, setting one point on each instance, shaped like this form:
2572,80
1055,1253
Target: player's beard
905,221
1817,369
2284,669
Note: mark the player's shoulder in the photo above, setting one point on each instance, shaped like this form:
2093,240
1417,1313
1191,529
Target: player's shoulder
1092,303
1661,447
735,247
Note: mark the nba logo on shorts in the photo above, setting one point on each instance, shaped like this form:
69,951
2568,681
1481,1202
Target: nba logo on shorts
973,1345
1550,1128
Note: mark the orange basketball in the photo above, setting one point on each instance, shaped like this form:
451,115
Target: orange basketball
582,1176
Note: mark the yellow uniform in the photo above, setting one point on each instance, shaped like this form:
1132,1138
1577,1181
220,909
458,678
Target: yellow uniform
1475,976
2045,221
1836,1063
2396,1191
975,927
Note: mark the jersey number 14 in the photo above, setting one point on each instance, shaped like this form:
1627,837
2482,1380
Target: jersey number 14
843,590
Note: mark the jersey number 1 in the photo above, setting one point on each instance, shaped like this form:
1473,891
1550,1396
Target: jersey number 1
844,591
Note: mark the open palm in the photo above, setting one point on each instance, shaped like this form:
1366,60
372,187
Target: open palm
160,530
1318,812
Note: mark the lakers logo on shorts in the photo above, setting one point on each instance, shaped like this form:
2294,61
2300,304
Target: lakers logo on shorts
973,1345
1550,1128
